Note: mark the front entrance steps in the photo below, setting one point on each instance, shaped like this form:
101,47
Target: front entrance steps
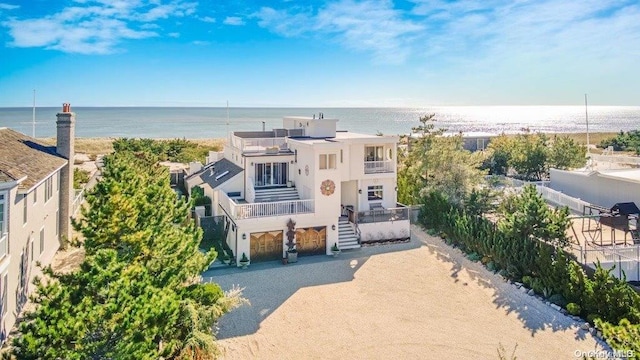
347,238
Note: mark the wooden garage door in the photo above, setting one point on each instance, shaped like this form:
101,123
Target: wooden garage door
311,241
266,246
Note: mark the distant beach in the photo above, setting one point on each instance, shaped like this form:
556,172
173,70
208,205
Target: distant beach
211,123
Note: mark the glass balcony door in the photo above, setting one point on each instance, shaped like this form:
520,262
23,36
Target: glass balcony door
271,174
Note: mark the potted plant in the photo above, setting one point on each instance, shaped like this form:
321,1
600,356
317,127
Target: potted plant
244,261
335,250
292,252
226,259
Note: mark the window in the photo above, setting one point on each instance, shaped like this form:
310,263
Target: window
35,195
1,214
48,188
374,192
41,240
24,209
340,156
327,161
374,153
57,221
31,256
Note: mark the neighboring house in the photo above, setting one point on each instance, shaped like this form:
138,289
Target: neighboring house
33,214
603,188
474,140
339,188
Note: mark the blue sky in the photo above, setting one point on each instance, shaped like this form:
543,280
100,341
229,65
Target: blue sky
311,53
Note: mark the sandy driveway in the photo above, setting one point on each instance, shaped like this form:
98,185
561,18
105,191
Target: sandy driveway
419,300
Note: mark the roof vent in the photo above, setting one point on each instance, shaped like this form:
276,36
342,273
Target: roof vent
221,175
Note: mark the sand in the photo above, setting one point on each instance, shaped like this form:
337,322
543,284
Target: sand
420,300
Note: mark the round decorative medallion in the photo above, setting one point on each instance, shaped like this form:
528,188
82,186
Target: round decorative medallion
306,169
328,187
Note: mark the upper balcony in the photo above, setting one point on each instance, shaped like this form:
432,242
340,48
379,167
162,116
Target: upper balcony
378,167
239,209
263,142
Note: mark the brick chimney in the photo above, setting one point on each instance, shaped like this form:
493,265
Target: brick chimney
66,148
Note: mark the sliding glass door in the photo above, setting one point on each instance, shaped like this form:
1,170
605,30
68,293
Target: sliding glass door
271,174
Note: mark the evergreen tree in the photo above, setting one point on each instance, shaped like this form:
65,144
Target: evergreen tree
137,294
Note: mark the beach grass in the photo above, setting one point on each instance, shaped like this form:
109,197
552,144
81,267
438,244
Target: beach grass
101,146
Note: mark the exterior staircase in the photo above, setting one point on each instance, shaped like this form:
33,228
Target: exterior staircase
347,238
276,194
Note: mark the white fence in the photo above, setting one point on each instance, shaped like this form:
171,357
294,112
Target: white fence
562,199
625,259
78,199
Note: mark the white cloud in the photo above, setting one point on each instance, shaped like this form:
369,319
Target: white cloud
371,25
5,6
174,35
207,19
200,42
97,27
233,21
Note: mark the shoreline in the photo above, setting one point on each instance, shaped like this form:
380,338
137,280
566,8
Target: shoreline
103,145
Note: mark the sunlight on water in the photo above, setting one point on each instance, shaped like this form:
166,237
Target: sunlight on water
212,122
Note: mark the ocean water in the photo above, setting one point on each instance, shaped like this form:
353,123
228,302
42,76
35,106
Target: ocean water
173,122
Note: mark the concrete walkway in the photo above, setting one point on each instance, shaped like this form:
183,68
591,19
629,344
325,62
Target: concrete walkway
421,300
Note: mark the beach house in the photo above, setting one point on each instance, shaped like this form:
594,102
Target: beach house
338,187
36,187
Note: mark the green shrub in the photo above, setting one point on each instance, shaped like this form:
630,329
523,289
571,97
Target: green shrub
526,280
558,300
206,294
80,177
622,337
591,318
492,266
574,309
474,257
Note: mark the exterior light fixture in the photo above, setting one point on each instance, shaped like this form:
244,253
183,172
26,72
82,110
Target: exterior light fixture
244,236
359,191
333,227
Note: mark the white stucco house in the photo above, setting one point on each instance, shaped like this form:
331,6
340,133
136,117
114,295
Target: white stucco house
36,193
338,187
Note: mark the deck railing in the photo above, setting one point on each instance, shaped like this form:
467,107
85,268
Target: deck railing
264,209
382,215
258,145
4,245
376,167
277,208
78,199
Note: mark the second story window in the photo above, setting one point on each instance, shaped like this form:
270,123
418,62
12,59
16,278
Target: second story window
24,209
327,161
35,195
48,188
374,153
2,214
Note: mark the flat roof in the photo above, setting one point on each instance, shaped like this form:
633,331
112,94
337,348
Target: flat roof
623,174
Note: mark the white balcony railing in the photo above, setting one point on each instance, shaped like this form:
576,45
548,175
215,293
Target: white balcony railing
4,243
278,208
375,167
264,209
258,145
